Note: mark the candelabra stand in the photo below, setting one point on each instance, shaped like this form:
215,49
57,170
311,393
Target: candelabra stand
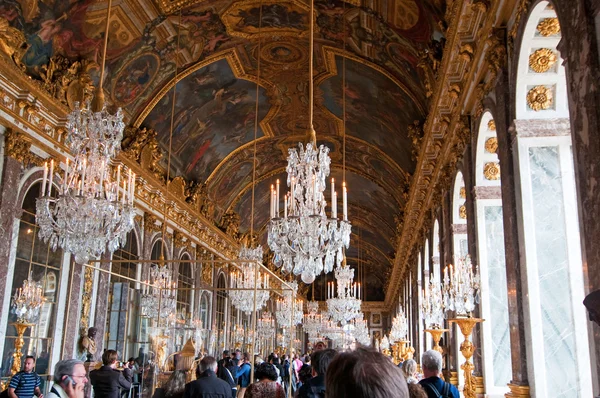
436,335
467,348
19,343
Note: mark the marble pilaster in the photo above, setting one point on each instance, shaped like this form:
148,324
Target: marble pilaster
102,300
71,334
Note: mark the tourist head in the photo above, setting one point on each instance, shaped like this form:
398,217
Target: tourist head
431,362
109,358
207,364
225,353
364,373
29,364
320,360
416,391
409,367
71,376
305,373
176,384
319,346
265,371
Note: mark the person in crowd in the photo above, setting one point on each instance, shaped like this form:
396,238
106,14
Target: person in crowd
416,391
319,346
231,368
304,375
207,385
315,387
243,374
266,386
434,386
296,366
107,381
364,373
409,367
221,365
275,362
69,379
26,383
174,387
285,375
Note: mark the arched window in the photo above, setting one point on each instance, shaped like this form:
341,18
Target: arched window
34,257
185,284
492,266
555,319
220,311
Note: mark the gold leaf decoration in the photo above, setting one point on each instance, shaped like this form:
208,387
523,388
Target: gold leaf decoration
491,171
492,125
541,60
549,27
463,193
491,145
462,212
540,98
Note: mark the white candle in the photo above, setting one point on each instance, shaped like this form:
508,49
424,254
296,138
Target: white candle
345,199
119,182
44,179
271,205
334,205
332,196
122,197
277,198
359,289
51,177
64,184
285,206
132,189
292,192
102,170
129,180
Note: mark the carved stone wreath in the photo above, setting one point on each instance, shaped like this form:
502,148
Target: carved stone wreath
491,171
491,145
541,60
549,27
540,98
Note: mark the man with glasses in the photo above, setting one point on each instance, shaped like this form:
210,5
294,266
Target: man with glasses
69,379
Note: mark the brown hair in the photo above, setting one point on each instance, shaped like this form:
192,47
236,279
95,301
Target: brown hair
364,373
416,391
109,357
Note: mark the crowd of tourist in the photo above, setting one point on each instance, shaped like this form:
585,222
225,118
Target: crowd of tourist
359,373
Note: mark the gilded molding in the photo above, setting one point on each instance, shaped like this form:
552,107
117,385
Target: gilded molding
542,60
548,27
18,146
151,223
517,391
491,171
540,98
86,300
491,145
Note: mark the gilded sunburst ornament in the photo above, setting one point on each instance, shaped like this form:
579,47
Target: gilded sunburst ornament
549,27
540,98
541,60
491,171
491,145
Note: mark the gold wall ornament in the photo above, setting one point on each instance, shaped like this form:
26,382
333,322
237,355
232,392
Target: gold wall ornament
462,193
540,98
415,133
548,27
491,171
86,300
12,42
542,60
207,273
150,223
179,239
177,187
462,212
68,81
18,147
491,125
491,145
230,224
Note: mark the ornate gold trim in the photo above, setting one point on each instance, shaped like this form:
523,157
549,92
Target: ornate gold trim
491,145
462,212
548,27
540,98
18,146
491,125
517,391
462,193
491,171
542,60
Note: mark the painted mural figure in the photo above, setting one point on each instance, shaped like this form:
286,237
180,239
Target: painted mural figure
273,16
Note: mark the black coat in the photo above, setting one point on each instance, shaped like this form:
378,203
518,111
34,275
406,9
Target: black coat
314,388
207,386
107,382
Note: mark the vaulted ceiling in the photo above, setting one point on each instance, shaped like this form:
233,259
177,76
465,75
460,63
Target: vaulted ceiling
381,47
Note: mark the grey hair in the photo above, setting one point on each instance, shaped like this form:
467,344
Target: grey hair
208,363
65,368
409,367
432,360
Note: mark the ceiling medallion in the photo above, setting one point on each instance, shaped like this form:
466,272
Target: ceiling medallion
491,145
491,171
492,125
462,212
549,27
540,98
541,60
282,54
463,193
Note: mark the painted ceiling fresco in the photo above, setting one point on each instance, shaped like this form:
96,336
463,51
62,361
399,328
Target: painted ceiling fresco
213,48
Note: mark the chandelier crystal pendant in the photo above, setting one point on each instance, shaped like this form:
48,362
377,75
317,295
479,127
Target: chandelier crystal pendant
266,325
245,279
312,320
27,301
344,306
159,297
433,305
461,287
399,327
361,330
288,307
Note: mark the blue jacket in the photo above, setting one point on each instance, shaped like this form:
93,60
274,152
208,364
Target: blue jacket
439,386
243,374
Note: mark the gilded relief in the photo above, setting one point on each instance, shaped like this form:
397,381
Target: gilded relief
282,18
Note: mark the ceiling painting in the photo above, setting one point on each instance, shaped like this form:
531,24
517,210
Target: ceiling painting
214,115
373,105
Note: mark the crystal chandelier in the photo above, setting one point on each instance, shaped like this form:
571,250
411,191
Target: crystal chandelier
305,241
433,305
266,325
384,345
238,335
27,301
158,298
346,305
312,319
399,327
91,211
245,279
461,287
361,330
289,306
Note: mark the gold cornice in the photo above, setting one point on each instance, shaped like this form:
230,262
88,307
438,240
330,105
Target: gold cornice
232,58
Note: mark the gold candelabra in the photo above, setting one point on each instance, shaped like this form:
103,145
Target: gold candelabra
467,348
19,343
436,335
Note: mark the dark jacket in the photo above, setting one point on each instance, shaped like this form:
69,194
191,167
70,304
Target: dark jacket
107,382
313,388
207,386
438,384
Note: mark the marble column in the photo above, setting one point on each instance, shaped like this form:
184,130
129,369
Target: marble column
71,334
580,53
102,287
446,257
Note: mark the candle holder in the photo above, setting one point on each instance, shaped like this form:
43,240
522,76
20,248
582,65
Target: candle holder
436,335
467,348
19,343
